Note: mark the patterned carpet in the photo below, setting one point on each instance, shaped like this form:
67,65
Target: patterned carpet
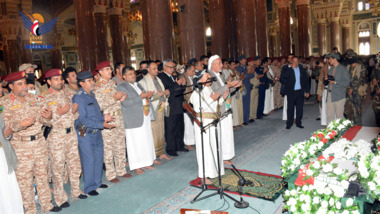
265,186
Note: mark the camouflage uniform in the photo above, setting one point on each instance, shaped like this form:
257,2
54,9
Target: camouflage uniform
69,91
31,149
113,139
63,147
358,84
376,97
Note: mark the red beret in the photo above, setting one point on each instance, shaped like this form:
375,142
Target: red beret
3,77
15,76
250,59
53,72
103,65
94,72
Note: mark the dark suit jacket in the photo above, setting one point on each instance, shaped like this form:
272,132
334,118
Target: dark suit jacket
290,80
176,94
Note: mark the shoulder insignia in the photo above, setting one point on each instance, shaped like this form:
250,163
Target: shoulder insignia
97,84
39,96
104,82
31,104
51,91
16,107
12,97
52,103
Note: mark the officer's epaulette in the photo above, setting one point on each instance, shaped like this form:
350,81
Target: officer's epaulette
79,92
39,96
98,84
12,97
104,82
50,91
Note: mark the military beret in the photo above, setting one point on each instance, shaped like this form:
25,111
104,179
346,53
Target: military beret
53,72
103,65
241,57
250,59
83,75
94,72
15,76
3,77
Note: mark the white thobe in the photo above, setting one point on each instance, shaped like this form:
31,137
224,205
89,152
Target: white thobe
269,100
140,143
209,137
10,195
188,136
226,124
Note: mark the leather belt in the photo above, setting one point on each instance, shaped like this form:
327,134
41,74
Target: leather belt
207,115
114,113
64,131
31,137
94,131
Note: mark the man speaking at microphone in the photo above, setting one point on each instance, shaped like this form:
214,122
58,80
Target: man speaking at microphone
215,66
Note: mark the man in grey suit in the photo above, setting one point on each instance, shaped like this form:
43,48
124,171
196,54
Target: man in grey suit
137,122
336,96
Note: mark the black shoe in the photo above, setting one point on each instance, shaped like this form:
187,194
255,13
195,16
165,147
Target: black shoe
318,118
183,150
55,209
93,193
103,186
245,124
251,120
288,127
301,127
265,115
172,154
259,118
65,205
81,196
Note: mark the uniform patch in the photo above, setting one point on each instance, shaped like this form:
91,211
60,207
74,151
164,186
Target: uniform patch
31,104
107,90
52,103
1,109
12,97
104,82
16,107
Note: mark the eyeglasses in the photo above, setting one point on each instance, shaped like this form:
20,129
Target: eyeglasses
170,66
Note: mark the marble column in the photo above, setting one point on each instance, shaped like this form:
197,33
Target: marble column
304,23
191,23
86,34
11,56
159,31
26,53
116,28
321,36
219,28
101,33
335,35
261,28
231,29
345,37
284,21
246,27
144,12
272,45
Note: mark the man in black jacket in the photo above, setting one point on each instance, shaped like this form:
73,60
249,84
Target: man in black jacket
296,84
174,122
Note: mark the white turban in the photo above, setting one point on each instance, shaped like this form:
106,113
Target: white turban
212,60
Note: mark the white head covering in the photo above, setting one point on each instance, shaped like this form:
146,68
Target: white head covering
212,60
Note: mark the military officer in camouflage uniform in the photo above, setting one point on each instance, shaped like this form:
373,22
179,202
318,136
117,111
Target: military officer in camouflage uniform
357,90
25,113
62,140
70,77
109,100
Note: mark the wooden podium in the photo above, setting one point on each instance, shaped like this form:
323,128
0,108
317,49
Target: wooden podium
195,211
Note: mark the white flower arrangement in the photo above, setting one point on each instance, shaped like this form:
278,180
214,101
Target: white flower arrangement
300,152
369,174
